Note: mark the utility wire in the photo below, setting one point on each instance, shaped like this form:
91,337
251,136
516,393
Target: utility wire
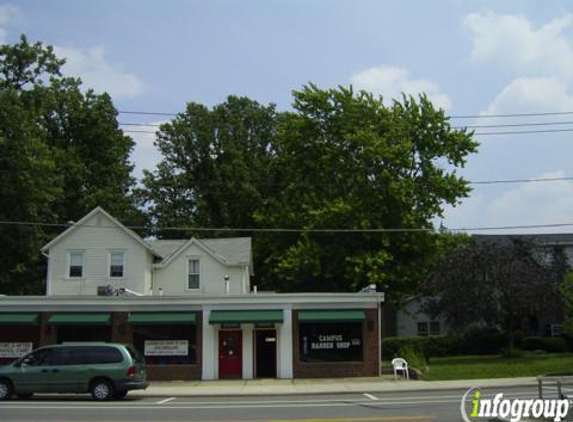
294,230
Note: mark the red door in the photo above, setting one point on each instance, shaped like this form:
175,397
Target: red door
230,354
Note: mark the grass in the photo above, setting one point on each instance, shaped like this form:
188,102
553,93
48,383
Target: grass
480,367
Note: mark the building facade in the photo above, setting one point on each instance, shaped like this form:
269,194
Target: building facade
188,307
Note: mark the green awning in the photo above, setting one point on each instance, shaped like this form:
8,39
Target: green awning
253,316
18,319
162,318
341,315
80,319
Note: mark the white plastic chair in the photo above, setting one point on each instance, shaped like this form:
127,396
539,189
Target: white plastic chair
400,364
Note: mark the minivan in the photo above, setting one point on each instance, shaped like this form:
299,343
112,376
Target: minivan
106,370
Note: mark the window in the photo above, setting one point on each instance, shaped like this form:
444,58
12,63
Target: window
434,328
76,265
422,328
193,281
168,335
116,264
330,342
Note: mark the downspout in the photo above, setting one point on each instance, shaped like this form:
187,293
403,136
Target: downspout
48,278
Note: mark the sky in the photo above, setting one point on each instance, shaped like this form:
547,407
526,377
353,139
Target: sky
472,58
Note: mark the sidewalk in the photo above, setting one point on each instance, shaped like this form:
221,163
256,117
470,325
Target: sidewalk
316,386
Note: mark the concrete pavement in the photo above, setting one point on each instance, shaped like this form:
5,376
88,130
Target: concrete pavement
317,386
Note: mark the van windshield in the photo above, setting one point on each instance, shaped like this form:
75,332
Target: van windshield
135,355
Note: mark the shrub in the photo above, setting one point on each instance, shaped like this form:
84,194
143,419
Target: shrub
415,357
483,341
547,344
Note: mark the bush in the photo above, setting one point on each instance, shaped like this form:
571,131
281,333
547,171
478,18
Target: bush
483,341
414,356
547,344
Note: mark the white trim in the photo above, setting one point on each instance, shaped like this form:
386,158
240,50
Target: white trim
98,210
69,253
110,252
187,267
194,241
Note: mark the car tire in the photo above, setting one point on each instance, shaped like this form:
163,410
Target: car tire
102,390
120,394
6,389
25,396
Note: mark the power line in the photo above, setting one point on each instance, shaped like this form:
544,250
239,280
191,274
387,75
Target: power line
295,230
522,132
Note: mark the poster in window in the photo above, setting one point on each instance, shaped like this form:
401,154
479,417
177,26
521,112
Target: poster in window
166,347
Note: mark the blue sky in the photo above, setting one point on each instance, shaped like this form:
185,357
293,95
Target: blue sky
471,57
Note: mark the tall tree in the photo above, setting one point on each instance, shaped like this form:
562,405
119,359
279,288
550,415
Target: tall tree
348,161
216,166
496,283
61,154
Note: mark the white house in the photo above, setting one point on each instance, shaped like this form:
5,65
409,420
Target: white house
99,251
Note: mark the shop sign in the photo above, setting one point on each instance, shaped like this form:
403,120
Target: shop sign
15,350
333,341
166,348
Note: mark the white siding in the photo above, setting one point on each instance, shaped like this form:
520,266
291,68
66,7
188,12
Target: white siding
96,238
173,277
407,319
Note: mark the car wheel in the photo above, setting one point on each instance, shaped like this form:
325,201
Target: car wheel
24,396
5,389
102,390
120,394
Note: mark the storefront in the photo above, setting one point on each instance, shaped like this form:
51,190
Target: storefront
215,337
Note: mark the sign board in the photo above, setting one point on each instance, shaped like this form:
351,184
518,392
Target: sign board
166,347
15,350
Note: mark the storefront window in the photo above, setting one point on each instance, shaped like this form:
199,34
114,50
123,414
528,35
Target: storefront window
331,342
164,345
73,333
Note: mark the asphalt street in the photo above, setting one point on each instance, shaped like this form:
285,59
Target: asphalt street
441,405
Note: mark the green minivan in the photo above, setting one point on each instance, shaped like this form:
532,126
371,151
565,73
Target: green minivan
106,370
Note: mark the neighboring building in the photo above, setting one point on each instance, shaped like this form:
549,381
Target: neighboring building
412,321
187,306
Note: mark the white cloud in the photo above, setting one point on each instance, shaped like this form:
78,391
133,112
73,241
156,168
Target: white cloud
523,205
391,81
8,14
96,72
145,154
511,40
532,95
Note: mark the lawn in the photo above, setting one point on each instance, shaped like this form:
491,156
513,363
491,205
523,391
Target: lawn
474,367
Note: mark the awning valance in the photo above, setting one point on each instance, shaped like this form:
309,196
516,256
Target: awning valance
162,318
339,315
80,319
250,316
18,319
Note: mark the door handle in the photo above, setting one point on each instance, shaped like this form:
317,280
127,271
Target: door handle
55,370
45,371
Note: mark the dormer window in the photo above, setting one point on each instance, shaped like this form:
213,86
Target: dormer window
76,265
193,282
116,264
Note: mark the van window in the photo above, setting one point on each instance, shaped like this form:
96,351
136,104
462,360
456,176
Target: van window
86,355
62,356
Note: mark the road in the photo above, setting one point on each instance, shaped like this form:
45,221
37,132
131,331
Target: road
353,407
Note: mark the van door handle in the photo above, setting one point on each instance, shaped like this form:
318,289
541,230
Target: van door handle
45,371
55,370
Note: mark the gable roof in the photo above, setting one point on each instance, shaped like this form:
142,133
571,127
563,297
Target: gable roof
82,221
227,251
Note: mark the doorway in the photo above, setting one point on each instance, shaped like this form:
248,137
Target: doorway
230,354
265,353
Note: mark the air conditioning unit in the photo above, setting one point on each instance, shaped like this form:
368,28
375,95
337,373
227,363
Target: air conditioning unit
106,290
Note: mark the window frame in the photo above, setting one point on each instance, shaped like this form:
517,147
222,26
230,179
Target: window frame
111,252
434,332
426,331
198,273
69,276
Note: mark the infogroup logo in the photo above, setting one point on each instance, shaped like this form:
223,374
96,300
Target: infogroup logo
514,409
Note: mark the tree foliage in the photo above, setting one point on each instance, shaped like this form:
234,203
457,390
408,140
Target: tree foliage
496,282
61,154
340,159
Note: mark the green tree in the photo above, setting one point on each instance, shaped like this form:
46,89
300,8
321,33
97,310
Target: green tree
216,166
496,282
348,161
61,154
566,290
